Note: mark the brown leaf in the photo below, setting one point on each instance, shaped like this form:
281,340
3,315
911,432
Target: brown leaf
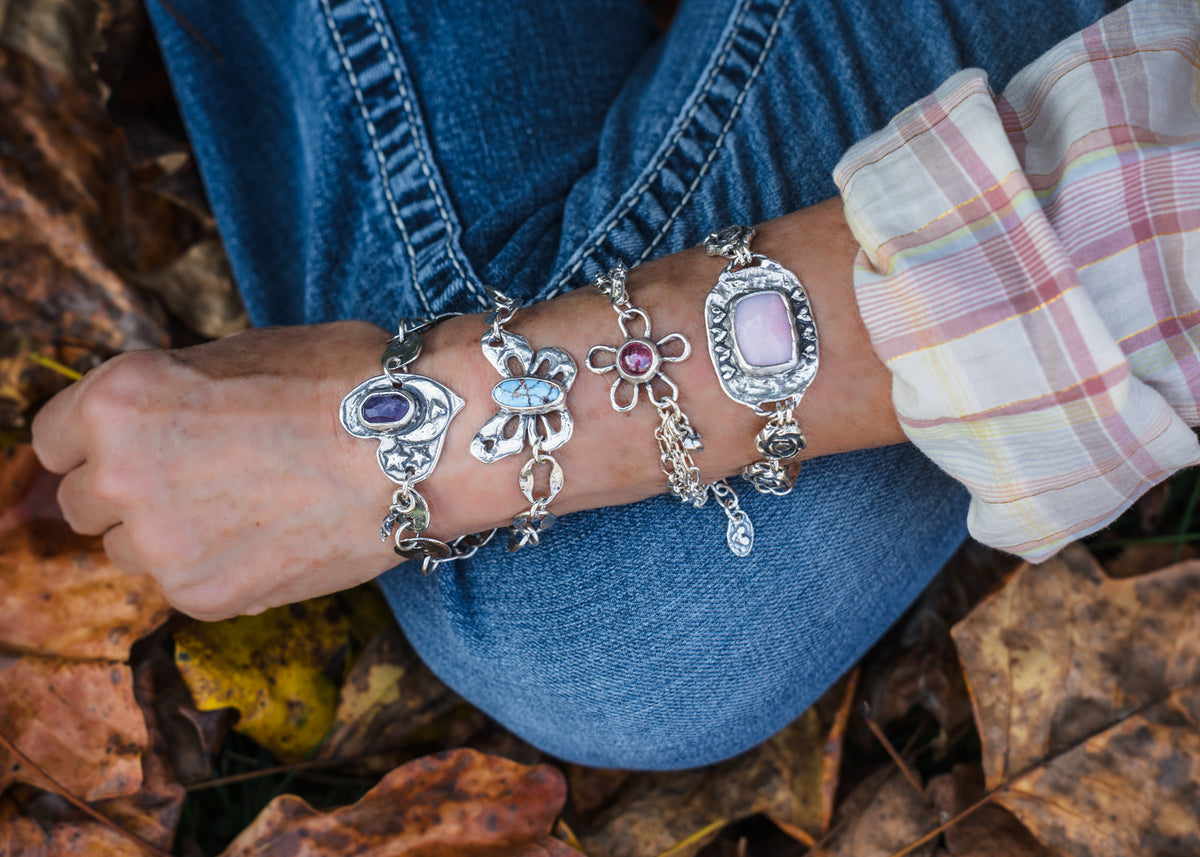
198,289
455,803
78,720
19,468
388,695
1084,692
1151,506
63,35
63,597
1130,789
915,663
883,814
151,813
592,789
192,737
782,778
1138,559
74,227
1063,652
990,830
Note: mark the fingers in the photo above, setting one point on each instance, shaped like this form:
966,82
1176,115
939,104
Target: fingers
118,544
82,507
58,438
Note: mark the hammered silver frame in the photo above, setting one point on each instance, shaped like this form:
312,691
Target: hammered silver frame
410,452
545,364
755,386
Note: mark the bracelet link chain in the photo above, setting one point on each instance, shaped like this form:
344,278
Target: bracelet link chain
750,276
638,363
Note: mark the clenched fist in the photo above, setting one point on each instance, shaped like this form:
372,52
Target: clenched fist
222,470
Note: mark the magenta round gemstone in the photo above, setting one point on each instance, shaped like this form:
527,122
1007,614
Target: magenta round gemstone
635,359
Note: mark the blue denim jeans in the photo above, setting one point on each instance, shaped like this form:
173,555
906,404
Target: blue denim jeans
384,158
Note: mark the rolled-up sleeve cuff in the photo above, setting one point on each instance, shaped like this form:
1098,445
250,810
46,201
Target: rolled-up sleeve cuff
1021,364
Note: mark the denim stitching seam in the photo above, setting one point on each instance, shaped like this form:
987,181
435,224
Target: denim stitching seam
656,170
393,206
716,147
414,125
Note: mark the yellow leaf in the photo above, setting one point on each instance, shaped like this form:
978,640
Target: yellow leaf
280,669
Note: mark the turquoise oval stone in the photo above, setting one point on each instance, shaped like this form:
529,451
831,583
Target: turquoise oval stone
527,394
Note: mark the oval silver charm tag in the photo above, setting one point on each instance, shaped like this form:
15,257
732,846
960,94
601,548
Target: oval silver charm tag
739,534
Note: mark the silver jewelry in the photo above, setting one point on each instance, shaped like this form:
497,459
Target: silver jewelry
532,402
638,362
409,415
775,359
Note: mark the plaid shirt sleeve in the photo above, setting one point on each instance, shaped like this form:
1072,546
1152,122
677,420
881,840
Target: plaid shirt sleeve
1030,274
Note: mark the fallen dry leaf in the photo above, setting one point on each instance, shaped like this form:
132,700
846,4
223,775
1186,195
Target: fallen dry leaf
990,830
192,737
35,823
455,803
783,778
883,814
1085,694
62,35
1138,559
280,669
64,598
78,720
198,289
71,233
1130,789
388,695
1063,652
916,663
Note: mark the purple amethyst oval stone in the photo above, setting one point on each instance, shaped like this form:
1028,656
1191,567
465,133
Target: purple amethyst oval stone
381,410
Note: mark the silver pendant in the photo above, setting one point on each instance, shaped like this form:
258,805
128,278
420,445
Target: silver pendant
408,415
638,360
527,398
757,369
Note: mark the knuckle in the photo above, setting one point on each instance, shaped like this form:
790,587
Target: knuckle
118,387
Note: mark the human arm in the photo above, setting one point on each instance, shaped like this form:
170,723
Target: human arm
222,469
275,540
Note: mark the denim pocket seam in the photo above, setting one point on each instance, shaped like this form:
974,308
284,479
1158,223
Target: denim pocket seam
393,206
734,112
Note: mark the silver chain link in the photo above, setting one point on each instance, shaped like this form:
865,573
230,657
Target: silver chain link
676,437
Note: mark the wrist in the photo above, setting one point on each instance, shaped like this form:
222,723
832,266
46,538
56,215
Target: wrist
613,458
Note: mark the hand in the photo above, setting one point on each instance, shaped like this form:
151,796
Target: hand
223,469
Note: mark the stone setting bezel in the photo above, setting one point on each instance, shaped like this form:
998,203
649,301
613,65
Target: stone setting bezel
755,386
642,377
379,427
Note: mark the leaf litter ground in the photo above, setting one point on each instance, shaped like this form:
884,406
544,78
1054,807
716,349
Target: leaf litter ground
1014,710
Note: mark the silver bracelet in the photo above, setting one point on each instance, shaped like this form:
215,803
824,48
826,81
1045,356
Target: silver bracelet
763,343
532,412
409,415
638,363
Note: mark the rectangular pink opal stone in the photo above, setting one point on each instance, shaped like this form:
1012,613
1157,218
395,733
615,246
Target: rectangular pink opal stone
763,329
